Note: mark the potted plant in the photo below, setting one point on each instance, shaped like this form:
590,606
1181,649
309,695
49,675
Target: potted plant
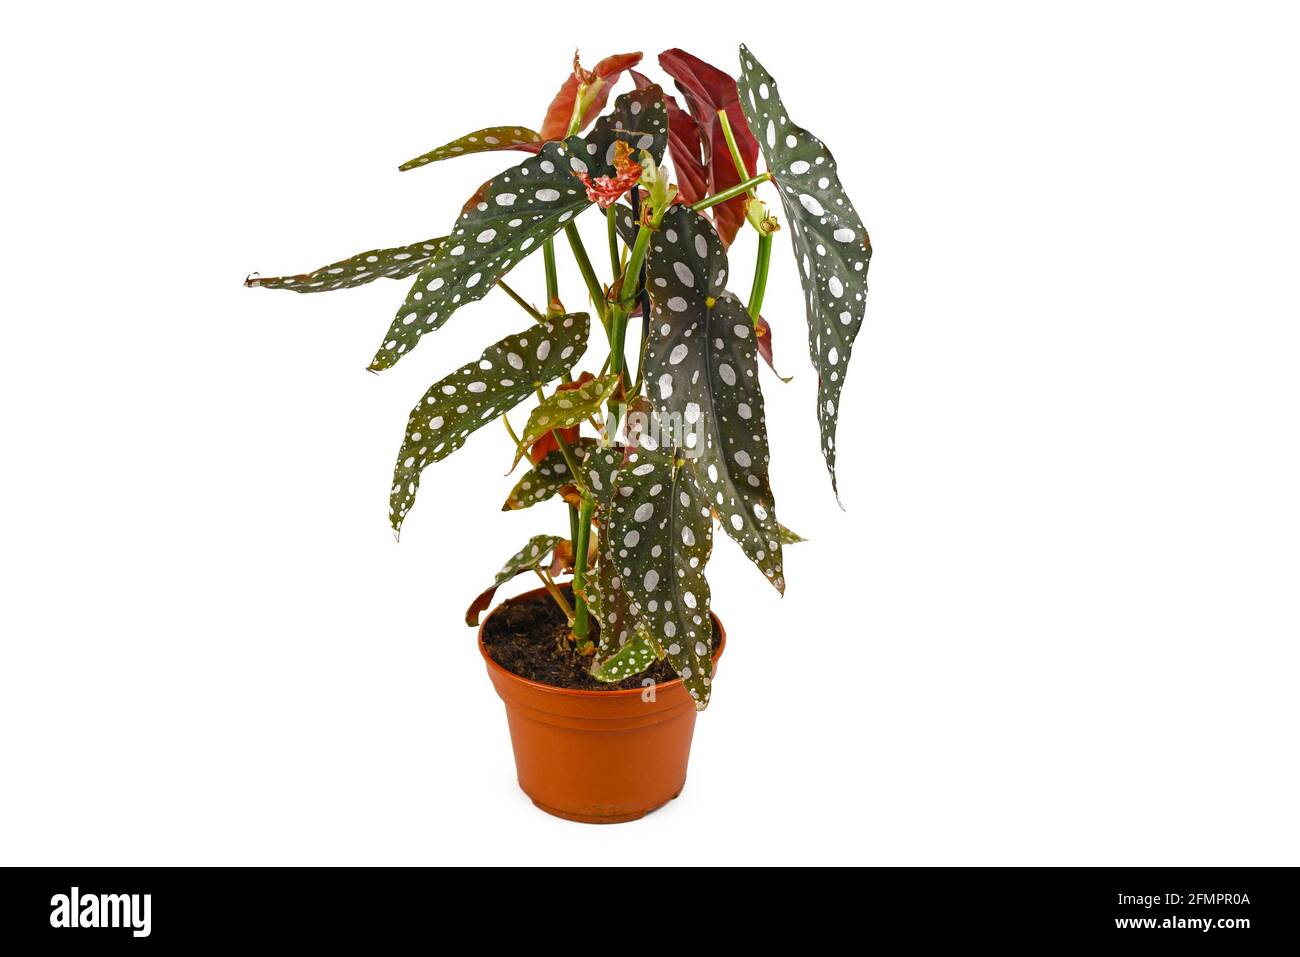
602,674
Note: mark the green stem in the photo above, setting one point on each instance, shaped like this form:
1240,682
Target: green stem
588,273
611,236
581,617
556,594
552,279
730,137
570,460
522,301
759,287
740,189
510,429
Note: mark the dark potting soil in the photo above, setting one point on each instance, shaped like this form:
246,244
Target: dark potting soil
524,637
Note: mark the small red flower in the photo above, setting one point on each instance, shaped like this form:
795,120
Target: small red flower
605,190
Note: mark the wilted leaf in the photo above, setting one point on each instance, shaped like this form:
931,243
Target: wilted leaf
396,263
709,91
829,239
656,543
701,372
546,478
511,215
488,140
564,409
685,147
533,555
471,397
637,654
560,112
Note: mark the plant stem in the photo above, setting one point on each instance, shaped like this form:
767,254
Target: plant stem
581,617
730,137
506,420
556,594
567,452
643,296
588,273
618,315
759,287
522,302
552,279
611,236
740,189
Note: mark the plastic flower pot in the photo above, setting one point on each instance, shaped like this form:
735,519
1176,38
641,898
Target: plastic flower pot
599,757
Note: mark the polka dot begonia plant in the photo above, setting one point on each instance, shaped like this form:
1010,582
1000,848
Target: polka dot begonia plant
677,441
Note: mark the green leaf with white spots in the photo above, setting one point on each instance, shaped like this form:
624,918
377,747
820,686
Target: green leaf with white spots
701,372
787,537
565,409
511,216
488,140
546,478
533,555
830,242
472,396
636,655
396,263
657,539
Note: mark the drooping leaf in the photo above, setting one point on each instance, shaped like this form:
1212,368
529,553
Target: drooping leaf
546,478
701,371
472,396
685,146
829,239
709,91
488,140
656,540
533,555
565,409
396,263
511,215
560,113
636,655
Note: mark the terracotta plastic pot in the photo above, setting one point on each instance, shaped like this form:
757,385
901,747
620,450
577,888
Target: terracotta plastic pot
600,757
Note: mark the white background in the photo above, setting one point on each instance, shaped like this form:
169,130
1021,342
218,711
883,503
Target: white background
1057,623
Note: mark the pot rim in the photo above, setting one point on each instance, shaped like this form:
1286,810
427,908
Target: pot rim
493,665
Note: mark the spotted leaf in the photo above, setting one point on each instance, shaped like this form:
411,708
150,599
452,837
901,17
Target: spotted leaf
396,263
701,371
533,555
566,408
488,140
656,542
472,396
685,147
830,242
788,537
546,478
709,91
511,215
636,655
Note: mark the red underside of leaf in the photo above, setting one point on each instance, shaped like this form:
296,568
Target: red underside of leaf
763,339
708,91
556,124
